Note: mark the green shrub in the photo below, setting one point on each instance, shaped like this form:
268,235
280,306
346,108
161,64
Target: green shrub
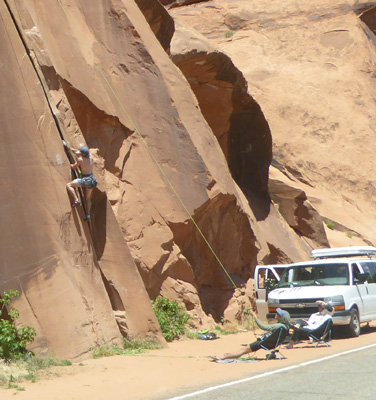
13,340
148,343
191,334
131,347
221,331
37,363
107,351
172,318
12,385
330,224
27,368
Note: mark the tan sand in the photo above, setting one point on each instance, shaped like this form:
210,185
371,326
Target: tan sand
184,365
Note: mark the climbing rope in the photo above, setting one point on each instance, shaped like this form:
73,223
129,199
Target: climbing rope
55,113
164,174
109,85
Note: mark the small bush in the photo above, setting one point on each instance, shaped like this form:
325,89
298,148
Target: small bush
229,34
13,340
172,318
228,330
131,347
107,351
148,343
191,334
330,224
37,363
27,368
12,385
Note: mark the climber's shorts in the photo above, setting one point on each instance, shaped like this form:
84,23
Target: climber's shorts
87,181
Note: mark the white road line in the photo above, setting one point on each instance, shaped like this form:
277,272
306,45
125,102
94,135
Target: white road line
210,389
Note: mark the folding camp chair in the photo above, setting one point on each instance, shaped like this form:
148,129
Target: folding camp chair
273,342
322,334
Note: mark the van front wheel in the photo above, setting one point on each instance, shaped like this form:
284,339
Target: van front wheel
354,326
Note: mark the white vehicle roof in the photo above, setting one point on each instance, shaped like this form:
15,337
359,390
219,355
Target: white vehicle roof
351,251
327,261
273,265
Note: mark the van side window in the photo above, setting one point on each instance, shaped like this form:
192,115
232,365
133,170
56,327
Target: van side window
279,272
370,271
355,273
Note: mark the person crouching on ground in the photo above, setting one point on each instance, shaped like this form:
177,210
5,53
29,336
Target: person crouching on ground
303,328
283,320
87,182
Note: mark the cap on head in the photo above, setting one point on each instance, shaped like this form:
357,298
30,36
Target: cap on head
285,316
281,312
84,151
324,305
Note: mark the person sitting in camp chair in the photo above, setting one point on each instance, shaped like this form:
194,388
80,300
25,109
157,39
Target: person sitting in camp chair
322,334
282,326
304,328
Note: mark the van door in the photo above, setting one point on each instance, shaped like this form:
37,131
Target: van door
369,268
362,292
264,277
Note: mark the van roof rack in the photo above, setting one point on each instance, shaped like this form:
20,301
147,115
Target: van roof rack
350,251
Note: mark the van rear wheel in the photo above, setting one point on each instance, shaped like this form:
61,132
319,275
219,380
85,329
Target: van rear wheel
354,326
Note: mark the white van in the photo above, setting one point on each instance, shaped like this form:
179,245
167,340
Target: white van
344,277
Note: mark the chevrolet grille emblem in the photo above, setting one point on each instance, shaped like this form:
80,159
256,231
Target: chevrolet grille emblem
301,305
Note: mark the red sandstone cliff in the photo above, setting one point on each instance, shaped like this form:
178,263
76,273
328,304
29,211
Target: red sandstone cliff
182,157
310,67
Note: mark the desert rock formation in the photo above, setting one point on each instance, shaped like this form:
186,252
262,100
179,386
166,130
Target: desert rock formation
310,67
182,142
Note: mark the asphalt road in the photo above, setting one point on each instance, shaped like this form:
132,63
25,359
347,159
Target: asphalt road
347,376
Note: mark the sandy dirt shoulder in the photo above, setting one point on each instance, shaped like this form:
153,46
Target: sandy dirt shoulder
180,368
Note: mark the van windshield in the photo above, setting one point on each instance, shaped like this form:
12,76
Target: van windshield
315,275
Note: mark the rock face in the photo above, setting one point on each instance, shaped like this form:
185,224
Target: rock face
159,20
181,155
234,117
295,208
310,69
178,3
74,281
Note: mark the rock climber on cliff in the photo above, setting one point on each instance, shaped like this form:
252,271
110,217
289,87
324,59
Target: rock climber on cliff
87,181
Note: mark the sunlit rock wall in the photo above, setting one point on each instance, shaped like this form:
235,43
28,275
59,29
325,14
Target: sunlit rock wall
164,182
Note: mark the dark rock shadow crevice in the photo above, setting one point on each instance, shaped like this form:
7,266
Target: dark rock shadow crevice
236,120
99,222
160,21
214,301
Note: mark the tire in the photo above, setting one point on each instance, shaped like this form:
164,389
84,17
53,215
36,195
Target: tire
354,326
